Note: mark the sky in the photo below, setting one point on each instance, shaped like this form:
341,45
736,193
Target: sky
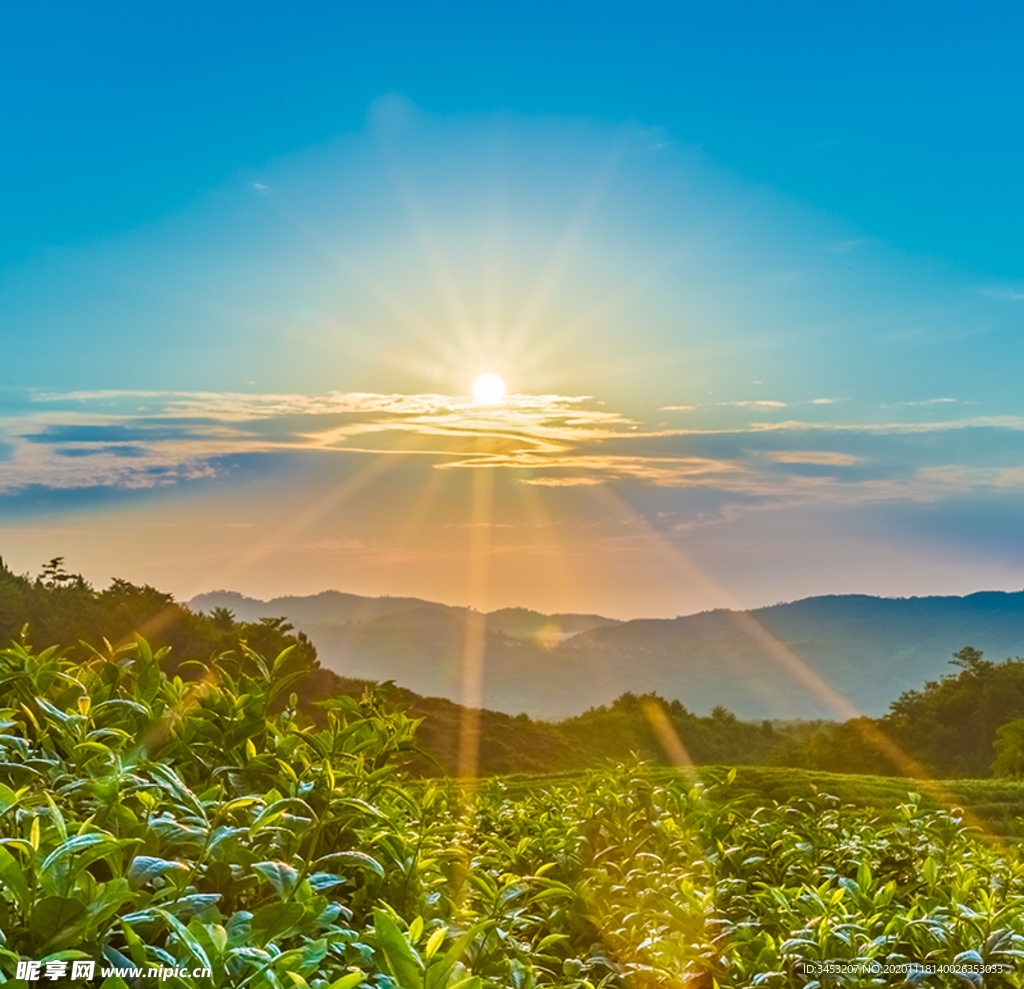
751,274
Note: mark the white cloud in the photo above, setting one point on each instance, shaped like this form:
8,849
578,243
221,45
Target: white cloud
140,439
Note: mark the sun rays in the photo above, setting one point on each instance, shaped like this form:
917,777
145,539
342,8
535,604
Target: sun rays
472,474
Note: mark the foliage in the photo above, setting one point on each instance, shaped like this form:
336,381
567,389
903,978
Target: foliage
632,726
636,724
950,725
1009,746
948,728
154,820
177,822
61,608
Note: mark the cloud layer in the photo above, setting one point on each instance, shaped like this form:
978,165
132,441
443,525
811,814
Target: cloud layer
147,439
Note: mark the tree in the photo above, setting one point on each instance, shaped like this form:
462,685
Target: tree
950,725
1009,746
53,574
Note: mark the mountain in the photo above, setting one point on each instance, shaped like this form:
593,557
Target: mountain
765,663
337,608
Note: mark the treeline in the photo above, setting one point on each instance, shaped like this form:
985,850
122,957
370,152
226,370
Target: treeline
646,727
58,608
967,724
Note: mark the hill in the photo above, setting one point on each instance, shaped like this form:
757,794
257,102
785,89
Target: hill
869,649
336,608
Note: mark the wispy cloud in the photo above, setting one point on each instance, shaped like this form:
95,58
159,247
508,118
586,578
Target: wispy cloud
1013,423
966,478
927,401
139,439
822,457
561,482
136,440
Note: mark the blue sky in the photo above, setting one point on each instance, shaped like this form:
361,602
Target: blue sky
752,275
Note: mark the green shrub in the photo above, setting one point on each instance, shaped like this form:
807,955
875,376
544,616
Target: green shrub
202,820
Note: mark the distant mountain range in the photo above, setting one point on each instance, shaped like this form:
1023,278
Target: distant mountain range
869,649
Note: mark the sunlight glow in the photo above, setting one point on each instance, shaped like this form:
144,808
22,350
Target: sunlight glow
488,389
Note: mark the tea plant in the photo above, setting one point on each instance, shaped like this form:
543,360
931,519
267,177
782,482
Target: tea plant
152,820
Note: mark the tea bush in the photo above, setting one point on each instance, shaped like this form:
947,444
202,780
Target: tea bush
155,820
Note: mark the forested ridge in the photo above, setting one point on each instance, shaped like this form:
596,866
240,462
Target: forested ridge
969,723
869,649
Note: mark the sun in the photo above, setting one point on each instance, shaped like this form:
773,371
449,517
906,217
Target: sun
488,389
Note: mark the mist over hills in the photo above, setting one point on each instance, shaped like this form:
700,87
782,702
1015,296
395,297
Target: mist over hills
336,607
869,649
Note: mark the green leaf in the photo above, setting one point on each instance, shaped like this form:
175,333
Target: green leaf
277,808
8,798
185,906
551,939
437,976
135,946
148,683
360,859
239,802
113,895
238,928
54,712
75,844
120,704
12,873
324,880
349,981
186,937
116,958
275,920
52,914
402,961
434,942
279,686
174,833
146,868
167,776
279,874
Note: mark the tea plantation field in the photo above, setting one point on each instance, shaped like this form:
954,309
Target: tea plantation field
151,821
